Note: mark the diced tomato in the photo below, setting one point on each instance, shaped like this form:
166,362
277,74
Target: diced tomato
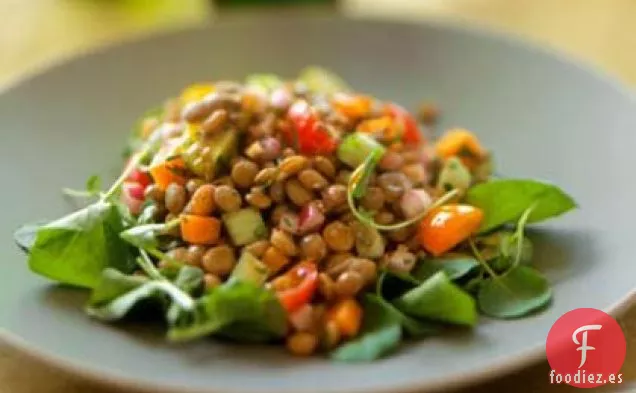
304,280
307,132
140,177
412,133
134,189
132,196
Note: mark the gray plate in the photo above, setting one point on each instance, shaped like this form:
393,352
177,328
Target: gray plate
543,116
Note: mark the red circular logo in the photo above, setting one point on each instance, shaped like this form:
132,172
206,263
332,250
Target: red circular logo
586,348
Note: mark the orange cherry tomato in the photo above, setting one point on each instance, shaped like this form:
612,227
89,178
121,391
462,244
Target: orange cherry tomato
446,226
411,132
347,315
463,144
352,106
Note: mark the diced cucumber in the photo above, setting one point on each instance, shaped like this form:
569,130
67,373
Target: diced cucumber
322,80
245,226
454,175
206,157
356,147
250,269
264,82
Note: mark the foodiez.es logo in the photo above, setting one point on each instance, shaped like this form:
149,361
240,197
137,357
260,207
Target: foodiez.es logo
586,348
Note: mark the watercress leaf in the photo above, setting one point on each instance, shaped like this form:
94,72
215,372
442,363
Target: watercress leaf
455,267
26,234
144,236
391,284
189,279
508,253
416,328
76,248
519,292
439,299
112,285
412,326
504,201
472,285
119,307
381,333
94,184
237,310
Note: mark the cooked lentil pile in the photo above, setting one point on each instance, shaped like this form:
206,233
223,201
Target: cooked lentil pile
306,212
260,172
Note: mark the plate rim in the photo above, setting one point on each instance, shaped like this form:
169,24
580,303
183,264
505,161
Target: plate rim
502,366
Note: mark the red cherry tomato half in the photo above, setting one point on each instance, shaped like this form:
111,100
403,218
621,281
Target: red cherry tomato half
412,133
132,196
307,133
304,279
140,177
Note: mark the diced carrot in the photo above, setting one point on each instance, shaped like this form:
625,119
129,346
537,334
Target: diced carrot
274,259
347,315
168,172
463,144
200,229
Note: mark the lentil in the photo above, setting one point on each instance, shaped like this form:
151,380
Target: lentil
244,172
293,164
192,185
178,254
302,344
175,198
265,176
258,199
338,236
257,248
194,255
284,242
277,192
348,284
312,179
332,335
313,247
274,259
211,281
227,198
202,201
334,196
215,122
219,260
153,192
373,199
324,166
195,112
296,193
326,287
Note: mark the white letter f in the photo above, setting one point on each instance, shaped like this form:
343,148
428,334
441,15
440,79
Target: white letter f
584,347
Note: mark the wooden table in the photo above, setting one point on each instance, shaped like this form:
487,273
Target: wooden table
34,33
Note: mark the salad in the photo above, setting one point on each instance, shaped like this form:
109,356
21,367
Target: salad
300,212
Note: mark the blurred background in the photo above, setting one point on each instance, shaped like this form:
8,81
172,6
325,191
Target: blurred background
37,33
